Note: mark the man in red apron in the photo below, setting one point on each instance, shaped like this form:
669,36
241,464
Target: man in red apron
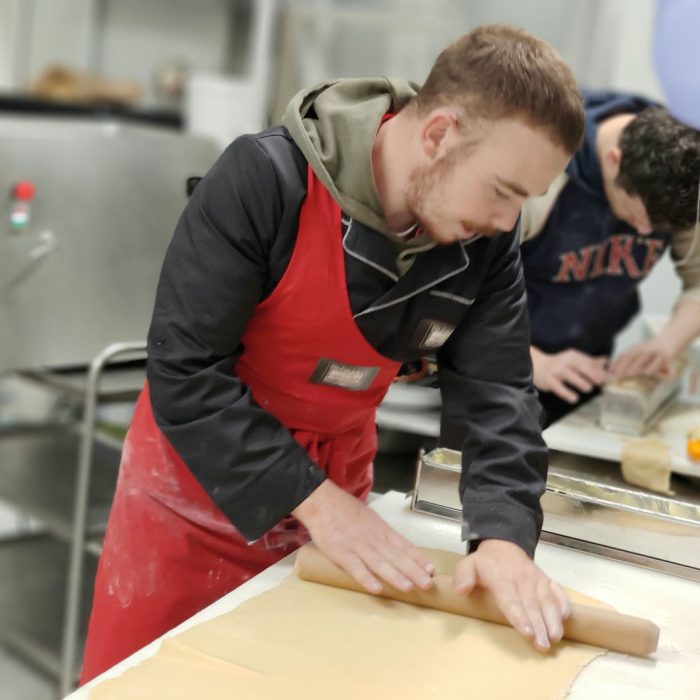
310,263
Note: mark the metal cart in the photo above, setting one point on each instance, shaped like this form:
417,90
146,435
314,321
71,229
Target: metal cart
63,474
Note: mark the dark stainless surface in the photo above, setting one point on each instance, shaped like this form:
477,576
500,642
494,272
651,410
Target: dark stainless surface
117,383
38,471
32,594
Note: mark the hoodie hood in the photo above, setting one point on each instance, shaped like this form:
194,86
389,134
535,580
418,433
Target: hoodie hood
584,167
334,125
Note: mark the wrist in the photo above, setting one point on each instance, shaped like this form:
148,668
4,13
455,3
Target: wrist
536,354
682,328
666,345
311,506
497,545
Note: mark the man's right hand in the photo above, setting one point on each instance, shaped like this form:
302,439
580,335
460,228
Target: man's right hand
568,372
359,541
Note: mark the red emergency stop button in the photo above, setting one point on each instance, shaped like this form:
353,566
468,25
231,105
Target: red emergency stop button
20,204
23,190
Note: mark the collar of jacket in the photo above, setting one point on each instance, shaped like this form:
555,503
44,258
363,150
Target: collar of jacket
430,269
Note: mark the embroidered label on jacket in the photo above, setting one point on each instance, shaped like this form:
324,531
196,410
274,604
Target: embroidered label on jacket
431,334
338,374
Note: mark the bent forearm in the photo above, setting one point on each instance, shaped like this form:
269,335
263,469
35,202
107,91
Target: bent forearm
683,326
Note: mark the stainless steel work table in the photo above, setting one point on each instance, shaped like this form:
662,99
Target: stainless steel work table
672,602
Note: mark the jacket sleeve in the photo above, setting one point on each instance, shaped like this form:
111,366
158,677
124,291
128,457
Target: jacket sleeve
216,270
685,248
491,411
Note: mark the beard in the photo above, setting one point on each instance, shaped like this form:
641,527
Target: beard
422,195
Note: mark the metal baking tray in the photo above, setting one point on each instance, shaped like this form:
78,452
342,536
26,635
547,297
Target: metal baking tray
633,411
587,506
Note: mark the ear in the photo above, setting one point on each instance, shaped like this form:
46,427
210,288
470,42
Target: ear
436,130
613,157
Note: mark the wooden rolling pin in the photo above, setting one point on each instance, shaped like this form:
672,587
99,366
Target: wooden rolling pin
597,626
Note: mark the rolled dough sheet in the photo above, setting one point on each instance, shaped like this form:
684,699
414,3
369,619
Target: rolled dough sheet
310,641
647,463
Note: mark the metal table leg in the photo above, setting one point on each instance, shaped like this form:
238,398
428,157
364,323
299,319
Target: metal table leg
71,624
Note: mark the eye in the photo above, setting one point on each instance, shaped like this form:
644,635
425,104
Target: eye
501,194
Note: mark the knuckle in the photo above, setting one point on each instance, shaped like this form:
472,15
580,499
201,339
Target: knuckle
510,605
378,563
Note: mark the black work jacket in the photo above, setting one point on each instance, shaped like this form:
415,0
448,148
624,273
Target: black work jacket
231,247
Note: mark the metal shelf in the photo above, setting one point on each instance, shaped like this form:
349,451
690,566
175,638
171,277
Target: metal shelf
32,595
116,383
38,471
424,422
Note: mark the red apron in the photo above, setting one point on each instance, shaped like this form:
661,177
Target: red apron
169,551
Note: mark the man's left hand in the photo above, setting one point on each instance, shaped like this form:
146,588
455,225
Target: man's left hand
651,358
534,605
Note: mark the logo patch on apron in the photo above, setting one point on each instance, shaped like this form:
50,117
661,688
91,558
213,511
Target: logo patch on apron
338,374
431,334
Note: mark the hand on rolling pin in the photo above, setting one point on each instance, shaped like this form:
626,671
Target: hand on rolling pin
651,358
564,373
355,538
533,604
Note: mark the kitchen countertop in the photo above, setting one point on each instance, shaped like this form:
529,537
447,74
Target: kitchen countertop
671,602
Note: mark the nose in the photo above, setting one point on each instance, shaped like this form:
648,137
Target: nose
505,219
643,227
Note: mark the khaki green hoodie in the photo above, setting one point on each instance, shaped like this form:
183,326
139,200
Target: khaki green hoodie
334,124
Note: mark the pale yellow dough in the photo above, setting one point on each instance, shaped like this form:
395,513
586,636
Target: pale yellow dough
647,463
311,641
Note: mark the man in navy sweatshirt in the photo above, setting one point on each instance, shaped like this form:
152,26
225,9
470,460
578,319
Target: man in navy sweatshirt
630,192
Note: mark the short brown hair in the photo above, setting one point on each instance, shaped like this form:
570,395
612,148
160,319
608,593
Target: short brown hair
661,165
498,72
